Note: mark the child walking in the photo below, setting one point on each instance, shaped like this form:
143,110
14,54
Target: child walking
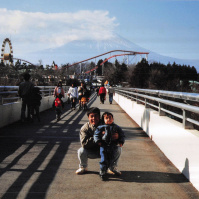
58,105
108,146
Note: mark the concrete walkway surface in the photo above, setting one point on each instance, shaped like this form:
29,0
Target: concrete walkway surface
39,160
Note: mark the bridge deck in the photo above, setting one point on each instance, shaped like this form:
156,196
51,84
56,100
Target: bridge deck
39,160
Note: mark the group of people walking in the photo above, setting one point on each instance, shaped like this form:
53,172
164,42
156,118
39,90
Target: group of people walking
31,98
74,93
80,94
102,91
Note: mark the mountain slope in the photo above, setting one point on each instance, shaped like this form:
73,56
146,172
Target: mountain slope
76,51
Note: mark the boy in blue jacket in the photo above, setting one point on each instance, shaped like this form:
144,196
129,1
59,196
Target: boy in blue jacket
103,138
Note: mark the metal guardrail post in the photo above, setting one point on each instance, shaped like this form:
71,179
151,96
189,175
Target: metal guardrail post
137,100
146,104
186,124
161,113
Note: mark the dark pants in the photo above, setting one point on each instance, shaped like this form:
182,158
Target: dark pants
110,97
73,102
35,109
102,97
58,112
25,103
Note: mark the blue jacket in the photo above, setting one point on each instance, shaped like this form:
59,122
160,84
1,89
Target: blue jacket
107,138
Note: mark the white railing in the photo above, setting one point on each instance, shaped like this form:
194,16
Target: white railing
10,107
180,105
180,145
9,94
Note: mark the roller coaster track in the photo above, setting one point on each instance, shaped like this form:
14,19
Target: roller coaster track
24,61
125,52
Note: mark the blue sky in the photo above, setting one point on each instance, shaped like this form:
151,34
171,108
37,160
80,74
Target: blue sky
167,27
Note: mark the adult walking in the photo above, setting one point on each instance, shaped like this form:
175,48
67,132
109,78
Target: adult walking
89,149
59,90
102,93
24,92
111,92
73,95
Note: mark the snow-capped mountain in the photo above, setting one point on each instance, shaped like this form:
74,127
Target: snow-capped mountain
76,51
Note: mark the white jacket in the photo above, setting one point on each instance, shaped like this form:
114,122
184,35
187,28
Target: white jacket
73,92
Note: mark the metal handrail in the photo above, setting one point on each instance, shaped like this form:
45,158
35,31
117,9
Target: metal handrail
8,93
144,95
172,94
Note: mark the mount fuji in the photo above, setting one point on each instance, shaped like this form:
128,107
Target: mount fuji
79,50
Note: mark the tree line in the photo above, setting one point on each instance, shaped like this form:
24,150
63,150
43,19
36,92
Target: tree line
171,77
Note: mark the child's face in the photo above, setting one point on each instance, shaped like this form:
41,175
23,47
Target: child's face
108,119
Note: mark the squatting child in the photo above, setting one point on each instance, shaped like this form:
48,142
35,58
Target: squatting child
108,146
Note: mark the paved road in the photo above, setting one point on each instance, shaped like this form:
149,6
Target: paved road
38,160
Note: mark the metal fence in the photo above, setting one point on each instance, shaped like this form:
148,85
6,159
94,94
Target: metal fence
177,105
9,94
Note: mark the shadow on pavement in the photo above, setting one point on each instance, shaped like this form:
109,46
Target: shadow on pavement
149,177
37,144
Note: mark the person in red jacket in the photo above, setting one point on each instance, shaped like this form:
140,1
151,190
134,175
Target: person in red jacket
102,94
58,105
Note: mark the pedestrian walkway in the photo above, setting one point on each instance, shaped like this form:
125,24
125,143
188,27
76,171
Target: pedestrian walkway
39,160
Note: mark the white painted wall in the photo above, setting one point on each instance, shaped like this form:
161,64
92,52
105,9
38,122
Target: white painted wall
181,146
10,113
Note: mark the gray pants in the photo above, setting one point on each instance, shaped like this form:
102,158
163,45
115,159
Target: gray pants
84,154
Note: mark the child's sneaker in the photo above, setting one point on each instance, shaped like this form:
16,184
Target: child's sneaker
81,170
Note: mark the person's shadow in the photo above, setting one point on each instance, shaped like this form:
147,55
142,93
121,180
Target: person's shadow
148,177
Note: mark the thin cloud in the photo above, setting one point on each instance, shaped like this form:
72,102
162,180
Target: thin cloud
56,29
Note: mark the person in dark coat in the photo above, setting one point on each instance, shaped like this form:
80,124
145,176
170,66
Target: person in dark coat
35,103
24,92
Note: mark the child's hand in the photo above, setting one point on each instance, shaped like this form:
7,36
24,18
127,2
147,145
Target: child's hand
120,144
103,132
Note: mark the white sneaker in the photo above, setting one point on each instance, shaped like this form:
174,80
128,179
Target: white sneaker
81,170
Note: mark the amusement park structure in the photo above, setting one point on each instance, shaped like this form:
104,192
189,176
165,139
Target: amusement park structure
125,53
7,53
7,56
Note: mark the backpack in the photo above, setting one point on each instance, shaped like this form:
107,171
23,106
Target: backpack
58,102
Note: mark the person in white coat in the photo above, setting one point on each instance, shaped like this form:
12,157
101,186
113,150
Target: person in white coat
73,94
